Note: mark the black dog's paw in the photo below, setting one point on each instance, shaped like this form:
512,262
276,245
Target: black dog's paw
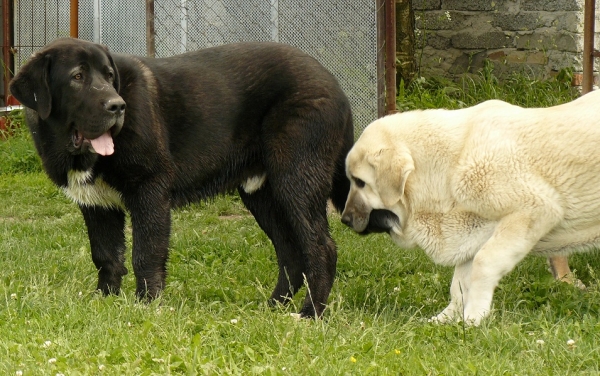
309,312
149,289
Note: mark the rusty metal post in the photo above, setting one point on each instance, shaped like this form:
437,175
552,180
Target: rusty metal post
390,56
74,19
380,16
7,44
150,52
588,46
587,84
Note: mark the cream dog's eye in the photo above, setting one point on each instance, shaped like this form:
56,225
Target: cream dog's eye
359,183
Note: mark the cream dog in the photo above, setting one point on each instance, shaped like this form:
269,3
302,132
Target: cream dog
480,188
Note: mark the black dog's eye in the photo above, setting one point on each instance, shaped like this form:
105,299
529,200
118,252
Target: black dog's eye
78,76
359,183
111,75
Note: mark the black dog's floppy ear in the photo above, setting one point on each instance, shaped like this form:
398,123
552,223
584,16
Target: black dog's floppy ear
30,86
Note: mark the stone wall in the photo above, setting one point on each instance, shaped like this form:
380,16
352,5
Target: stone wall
539,36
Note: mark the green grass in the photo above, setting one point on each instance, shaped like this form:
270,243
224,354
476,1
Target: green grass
222,267
469,90
212,318
16,151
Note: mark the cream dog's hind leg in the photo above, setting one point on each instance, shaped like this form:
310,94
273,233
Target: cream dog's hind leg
559,267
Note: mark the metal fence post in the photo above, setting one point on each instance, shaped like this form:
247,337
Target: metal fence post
97,21
380,16
275,20
74,19
589,18
184,26
7,53
390,56
150,51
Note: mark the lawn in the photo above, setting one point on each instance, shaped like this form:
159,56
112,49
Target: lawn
213,319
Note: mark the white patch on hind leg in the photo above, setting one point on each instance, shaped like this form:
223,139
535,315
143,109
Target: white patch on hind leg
254,183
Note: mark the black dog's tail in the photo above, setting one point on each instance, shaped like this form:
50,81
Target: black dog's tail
341,184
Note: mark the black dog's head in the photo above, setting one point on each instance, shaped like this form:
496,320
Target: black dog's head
381,220
73,85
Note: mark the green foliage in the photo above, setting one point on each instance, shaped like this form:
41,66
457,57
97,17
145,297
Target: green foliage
17,153
470,90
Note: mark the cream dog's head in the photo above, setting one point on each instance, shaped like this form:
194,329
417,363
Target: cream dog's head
378,170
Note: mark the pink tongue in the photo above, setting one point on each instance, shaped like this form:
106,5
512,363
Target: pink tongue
103,145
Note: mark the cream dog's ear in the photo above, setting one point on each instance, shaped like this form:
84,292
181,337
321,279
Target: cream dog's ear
392,168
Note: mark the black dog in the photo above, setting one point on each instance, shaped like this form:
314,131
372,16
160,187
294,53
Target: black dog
125,133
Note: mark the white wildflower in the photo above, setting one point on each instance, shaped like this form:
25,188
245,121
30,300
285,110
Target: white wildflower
540,342
19,373
47,344
234,321
52,360
101,367
13,296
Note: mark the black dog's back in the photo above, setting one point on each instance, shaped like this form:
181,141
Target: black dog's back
235,99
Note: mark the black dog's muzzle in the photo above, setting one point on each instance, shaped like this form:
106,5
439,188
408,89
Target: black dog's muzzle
381,220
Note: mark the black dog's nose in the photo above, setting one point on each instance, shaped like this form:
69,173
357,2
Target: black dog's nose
347,219
115,105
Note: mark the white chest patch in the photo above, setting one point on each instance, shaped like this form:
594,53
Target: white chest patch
87,192
254,183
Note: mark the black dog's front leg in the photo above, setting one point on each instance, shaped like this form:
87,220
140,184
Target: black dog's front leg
106,228
151,226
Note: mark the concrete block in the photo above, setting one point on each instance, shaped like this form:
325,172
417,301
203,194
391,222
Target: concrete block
426,4
568,21
437,41
489,40
537,57
520,21
471,5
558,60
443,20
434,62
497,55
468,63
546,40
552,5
514,57
506,69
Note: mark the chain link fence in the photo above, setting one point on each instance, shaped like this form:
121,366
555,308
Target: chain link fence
35,24
341,34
